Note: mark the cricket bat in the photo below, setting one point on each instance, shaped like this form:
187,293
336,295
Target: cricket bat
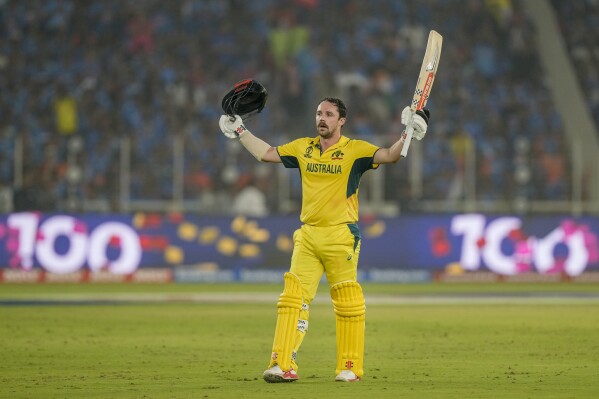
428,70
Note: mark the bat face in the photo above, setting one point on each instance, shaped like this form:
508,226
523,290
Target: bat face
430,67
426,90
428,70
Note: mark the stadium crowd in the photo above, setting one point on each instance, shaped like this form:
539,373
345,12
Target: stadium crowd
582,42
79,78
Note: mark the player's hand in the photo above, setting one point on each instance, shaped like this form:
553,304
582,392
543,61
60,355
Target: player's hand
420,121
231,127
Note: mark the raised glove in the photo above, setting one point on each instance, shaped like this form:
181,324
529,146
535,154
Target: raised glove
420,121
231,128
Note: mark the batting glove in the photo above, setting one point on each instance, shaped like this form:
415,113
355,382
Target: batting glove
231,127
420,121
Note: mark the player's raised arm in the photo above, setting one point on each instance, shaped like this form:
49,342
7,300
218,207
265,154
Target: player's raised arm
393,153
247,97
233,127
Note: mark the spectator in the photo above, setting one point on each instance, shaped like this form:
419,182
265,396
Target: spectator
65,108
249,200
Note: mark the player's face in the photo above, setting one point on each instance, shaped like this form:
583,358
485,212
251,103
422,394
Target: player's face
328,122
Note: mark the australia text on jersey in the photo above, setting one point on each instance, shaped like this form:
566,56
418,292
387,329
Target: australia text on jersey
323,168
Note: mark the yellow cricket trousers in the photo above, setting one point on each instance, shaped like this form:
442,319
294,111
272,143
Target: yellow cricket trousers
333,250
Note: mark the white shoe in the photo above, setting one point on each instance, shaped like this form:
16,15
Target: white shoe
347,376
276,374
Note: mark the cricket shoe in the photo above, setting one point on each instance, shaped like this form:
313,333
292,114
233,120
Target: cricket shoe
347,376
276,374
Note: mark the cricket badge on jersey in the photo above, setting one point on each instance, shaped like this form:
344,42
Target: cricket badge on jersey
308,153
337,155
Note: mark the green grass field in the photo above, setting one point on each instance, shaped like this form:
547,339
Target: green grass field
422,341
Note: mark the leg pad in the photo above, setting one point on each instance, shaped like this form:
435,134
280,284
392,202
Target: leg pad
350,311
288,312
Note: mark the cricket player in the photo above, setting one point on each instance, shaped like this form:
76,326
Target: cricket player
331,165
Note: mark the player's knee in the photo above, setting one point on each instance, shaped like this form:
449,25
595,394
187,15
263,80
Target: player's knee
348,299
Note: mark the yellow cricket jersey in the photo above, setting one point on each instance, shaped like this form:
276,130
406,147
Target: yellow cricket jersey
330,179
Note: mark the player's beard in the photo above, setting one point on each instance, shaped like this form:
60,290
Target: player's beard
324,132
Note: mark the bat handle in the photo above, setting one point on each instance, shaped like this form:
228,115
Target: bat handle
409,134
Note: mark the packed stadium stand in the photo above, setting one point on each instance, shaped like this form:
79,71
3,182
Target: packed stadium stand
582,40
110,101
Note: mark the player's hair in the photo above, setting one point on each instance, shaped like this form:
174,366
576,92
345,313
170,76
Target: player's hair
339,104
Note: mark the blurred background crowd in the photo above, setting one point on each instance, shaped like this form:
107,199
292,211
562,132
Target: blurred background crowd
80,78
582,41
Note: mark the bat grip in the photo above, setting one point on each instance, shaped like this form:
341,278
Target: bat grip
409,134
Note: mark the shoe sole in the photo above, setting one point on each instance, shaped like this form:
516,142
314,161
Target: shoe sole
273,378
354,380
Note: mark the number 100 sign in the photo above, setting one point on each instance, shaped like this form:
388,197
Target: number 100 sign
29,240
